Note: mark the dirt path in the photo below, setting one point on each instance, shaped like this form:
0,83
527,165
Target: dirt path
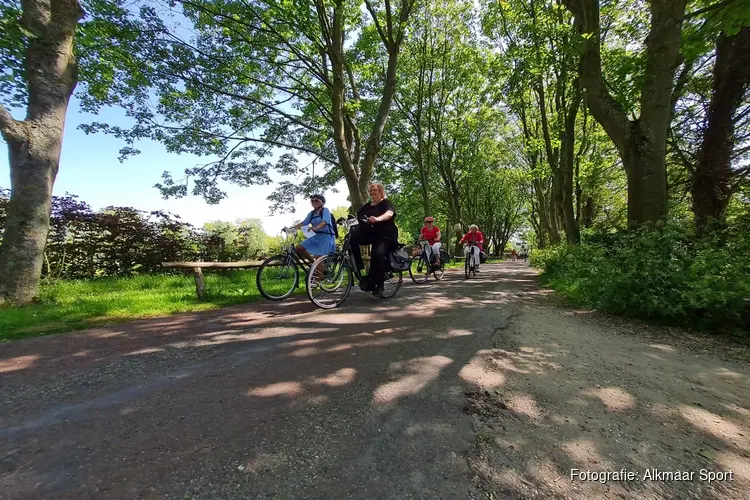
457,390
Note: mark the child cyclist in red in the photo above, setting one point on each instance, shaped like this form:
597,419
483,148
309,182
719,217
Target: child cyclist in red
431,233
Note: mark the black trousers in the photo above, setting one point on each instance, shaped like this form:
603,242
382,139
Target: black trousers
381,245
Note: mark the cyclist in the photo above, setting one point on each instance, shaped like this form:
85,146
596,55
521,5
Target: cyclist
476,238
381,233
431,233
324,239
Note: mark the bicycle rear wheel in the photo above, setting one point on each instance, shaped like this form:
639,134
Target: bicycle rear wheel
419,270
392,283
329,281
277,277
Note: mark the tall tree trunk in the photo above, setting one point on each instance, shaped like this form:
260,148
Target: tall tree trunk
338,97
641,143
711,182
572,234
34,144
424,184
553,212
588,213
543,209
376,134
358,176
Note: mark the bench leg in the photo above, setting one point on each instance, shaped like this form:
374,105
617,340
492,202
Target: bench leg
200,287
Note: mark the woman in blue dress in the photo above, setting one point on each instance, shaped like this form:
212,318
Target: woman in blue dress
324,240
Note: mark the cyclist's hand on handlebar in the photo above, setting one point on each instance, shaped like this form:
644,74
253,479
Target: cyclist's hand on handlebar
371,220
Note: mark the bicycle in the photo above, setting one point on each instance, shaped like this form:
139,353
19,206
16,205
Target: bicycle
420,264
469,267
278,276
334,272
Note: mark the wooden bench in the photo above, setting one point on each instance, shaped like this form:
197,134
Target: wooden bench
197,268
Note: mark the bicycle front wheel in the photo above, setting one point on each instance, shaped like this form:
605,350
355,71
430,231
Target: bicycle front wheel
329,281
467,266
419,270
439,271
277,277
392,284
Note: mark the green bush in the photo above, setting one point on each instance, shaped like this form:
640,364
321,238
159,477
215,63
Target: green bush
668,274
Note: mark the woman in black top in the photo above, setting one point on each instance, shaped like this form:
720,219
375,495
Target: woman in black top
382,234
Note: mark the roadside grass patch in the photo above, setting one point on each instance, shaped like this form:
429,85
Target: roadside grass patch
67,305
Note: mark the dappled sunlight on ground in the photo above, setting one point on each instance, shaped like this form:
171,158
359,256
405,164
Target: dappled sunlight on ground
147,350
338,378
614,398
663,347
585,452
568,395
18,363
282,399
290,389
739,464
723,372
738,410
524,404
455,332
717,426
477,373
418,373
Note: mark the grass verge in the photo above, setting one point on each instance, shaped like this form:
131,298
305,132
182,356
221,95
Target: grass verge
75,305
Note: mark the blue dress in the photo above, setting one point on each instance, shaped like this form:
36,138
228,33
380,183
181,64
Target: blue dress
324,241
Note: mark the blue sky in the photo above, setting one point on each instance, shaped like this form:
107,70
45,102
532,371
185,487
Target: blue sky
90,169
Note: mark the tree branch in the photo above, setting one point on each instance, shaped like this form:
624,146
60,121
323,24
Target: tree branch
662,55
603,106
10,128
271,142
717,5
374,15
389,21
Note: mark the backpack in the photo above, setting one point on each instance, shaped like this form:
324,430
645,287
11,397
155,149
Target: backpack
331,223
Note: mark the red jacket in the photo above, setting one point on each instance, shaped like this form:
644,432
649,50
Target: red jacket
478,238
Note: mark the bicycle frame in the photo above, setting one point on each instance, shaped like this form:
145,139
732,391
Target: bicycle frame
346,254
424,255
290,253
472,244
346,251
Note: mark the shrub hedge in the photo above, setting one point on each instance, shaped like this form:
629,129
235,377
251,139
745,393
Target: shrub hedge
668,274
